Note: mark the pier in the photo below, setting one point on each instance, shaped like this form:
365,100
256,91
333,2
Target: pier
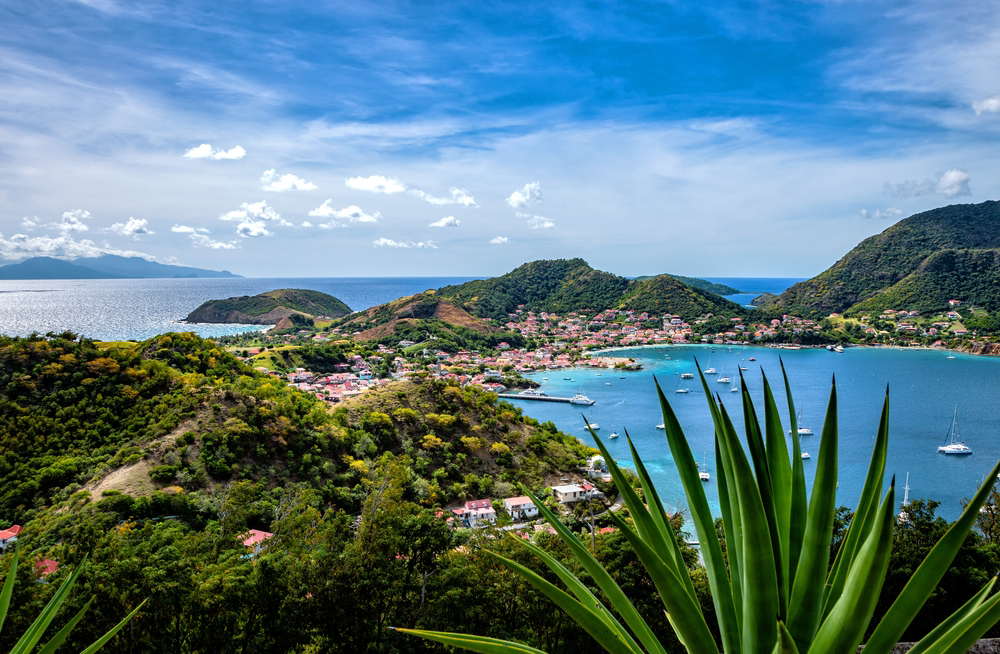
539,398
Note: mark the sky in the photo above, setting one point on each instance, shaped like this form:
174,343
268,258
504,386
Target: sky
325,139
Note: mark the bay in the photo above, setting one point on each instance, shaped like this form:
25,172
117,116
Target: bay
137,309
925,388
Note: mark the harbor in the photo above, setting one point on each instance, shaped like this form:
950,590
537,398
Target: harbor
542,397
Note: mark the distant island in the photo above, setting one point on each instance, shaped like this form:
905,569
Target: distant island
107,266
284,308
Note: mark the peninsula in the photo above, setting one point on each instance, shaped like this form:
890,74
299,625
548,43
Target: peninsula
271,308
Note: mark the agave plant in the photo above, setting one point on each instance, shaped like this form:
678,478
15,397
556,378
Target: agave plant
37,629
774,589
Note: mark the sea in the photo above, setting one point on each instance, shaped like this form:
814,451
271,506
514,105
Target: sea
925,386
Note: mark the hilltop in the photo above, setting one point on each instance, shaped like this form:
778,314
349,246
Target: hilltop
696,282
919,263
564,285
270,308
107,266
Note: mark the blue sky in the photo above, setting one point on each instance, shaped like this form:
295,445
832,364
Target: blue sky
394,138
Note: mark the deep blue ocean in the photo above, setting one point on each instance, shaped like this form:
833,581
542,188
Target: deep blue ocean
925,385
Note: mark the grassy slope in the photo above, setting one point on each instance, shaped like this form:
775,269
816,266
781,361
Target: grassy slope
312,302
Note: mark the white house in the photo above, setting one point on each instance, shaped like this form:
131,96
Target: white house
568,494
476,513
520,508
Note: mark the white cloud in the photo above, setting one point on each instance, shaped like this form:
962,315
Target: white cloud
537,222
949,184
333,224
353,213
306,223
255,211
389,243
131,229
447,221
991,105
202,241
206,151
890,212
458,196
250,228
21,246
375,184
184,229
530,194
72,221
271,181
29,223
499,240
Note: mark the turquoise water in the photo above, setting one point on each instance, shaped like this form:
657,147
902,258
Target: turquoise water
751,287
925,388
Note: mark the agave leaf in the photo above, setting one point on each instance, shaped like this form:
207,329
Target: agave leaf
473,643
583,593
683,610
844,627
760,582
968,630
8,585
865,515
729,517
600,576
585,616
785,644
781,485
37,629
63,633
967,609
799,508
704,524
928,574
806,602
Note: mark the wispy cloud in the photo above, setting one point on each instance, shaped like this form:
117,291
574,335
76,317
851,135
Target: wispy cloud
203,241
185,229
21,246
352,213
271,181
389,185
951,183
389,243
206,151
889,212
375,184
29,223
132,229
499,240
527,196
447,221
537,222
990,105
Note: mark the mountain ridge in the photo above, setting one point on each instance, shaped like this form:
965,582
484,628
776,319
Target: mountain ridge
107,266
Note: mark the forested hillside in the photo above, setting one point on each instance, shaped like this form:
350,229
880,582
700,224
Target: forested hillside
565,285
933,256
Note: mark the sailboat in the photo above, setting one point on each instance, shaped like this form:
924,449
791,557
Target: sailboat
679,389
590,421
736,387
710,370
661,426
703,473
613,433
954,446
803,431
743,367
724,379
903,515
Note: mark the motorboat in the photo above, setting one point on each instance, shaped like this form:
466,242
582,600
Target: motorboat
580,398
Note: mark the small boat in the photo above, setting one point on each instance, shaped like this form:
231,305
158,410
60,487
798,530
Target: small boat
661,426
622,377
742,367
710,370
598,374
567,378
687,375
903,515
950,356
805,455
724,379
736,387
802,431
839,349
681,390
753,358
613,433
954,446
545,379
532,392
580,398
607,383
703,472
592,425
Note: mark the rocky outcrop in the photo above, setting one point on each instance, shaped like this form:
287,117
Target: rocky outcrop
988,349
212,314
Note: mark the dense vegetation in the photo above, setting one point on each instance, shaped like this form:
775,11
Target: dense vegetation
695,282
305,301
565,285
919,261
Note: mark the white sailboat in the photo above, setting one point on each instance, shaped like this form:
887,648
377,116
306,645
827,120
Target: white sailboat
590,422
736,387
679,389
903,515
954,446
743,367
710,370
703,473
803,431
687,375
724,378
661,426
613,433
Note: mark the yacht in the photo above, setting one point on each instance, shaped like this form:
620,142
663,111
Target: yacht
805,455
661,426
802,431
532,392
724,378
839,349
954,446
687,375
580,398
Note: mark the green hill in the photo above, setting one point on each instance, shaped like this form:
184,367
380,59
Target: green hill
269,308
920,262
695,282
563,285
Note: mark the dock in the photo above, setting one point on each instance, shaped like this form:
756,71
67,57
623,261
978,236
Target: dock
537,398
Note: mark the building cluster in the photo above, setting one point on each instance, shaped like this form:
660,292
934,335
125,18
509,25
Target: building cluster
481,513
